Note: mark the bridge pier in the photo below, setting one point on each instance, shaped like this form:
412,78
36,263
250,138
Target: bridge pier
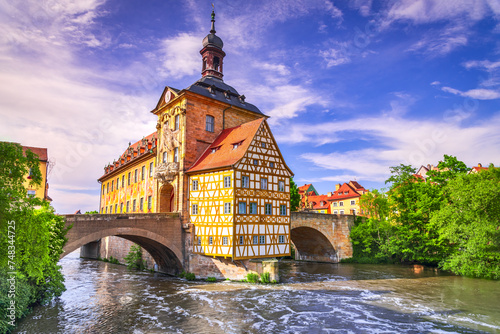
92,250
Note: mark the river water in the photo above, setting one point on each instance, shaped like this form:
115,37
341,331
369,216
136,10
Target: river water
314,298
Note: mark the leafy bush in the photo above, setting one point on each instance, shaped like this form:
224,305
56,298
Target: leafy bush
190,276
113,260
183,274
23,298
265,278
211,279
134,259
253,278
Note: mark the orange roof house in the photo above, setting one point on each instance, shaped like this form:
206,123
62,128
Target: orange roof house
345,199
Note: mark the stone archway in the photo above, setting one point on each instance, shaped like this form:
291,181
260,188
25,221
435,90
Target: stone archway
166,198
312,245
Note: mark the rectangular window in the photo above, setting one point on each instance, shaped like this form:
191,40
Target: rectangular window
165,157
210,240
106,209
253,208
224,241
263,145
263,183
283,210
271,164
227,208
262,239
141,204
353,202
111,209
268,209
128,179
194,210
31,192
242,207
116,208
128,206
121,208
195,185
107,188
176,154
241,240
245,182
334,203
255,239
281,239
209,123
335,212
133,205
150,169
112,185
123,181
150,203
135,175
255,162
199,241
227,181
341,212
143,173
341,204
281,186
176,124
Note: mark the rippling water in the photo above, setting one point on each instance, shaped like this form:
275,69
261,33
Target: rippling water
314,298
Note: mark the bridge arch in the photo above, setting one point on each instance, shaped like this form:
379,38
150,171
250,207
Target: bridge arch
312,245
165,252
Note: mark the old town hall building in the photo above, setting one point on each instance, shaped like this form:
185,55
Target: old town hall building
214,160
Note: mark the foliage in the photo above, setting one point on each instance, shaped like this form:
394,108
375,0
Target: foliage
294,196
32,236
113,260
449,169
375,204
265,278
24,297
190,276
211,279
183,274
91,212
133,260
369,240
252,278
470,221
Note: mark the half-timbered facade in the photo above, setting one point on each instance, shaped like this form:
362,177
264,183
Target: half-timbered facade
240,195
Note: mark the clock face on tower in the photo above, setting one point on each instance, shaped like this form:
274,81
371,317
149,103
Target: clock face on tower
168,96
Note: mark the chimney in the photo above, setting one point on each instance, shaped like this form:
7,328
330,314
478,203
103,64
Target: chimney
337,186
479,165
330,194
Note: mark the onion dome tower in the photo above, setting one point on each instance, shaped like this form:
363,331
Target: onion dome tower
212,53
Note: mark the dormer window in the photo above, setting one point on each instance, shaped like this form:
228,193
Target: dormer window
346,192
236,145
227,95
242,99
215,149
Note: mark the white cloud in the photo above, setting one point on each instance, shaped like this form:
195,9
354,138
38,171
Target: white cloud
442,42
435,83
181,55
337,55
478,93
399,141
482,64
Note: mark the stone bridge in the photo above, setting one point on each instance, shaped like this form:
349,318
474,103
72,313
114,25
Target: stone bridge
316,236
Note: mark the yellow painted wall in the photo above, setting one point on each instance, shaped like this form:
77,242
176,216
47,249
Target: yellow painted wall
347,206
112,196
40,189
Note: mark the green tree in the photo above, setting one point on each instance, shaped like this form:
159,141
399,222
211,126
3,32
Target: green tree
449,169
411,202
470,221
32,236
134,259
294,196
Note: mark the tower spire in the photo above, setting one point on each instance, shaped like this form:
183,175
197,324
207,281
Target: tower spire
212,30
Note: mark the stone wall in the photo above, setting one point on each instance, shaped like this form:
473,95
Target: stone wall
119,248
336,228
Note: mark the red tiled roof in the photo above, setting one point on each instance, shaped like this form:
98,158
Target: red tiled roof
341,192
304,187
221,153
117,165
41,152
317,201
478,169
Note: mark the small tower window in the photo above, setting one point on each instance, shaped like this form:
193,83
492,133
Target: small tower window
209,125
216,63
204,64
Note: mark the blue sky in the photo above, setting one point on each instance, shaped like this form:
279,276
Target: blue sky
352,87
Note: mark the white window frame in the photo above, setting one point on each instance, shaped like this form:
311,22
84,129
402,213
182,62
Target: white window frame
227,181
281,239
245,181
209,123
227,208
283,209
225,241
268,209
210,240
341,203
353,202
241,240
195,185
281,186
341,212
255,240
263,183
194,209
262,239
